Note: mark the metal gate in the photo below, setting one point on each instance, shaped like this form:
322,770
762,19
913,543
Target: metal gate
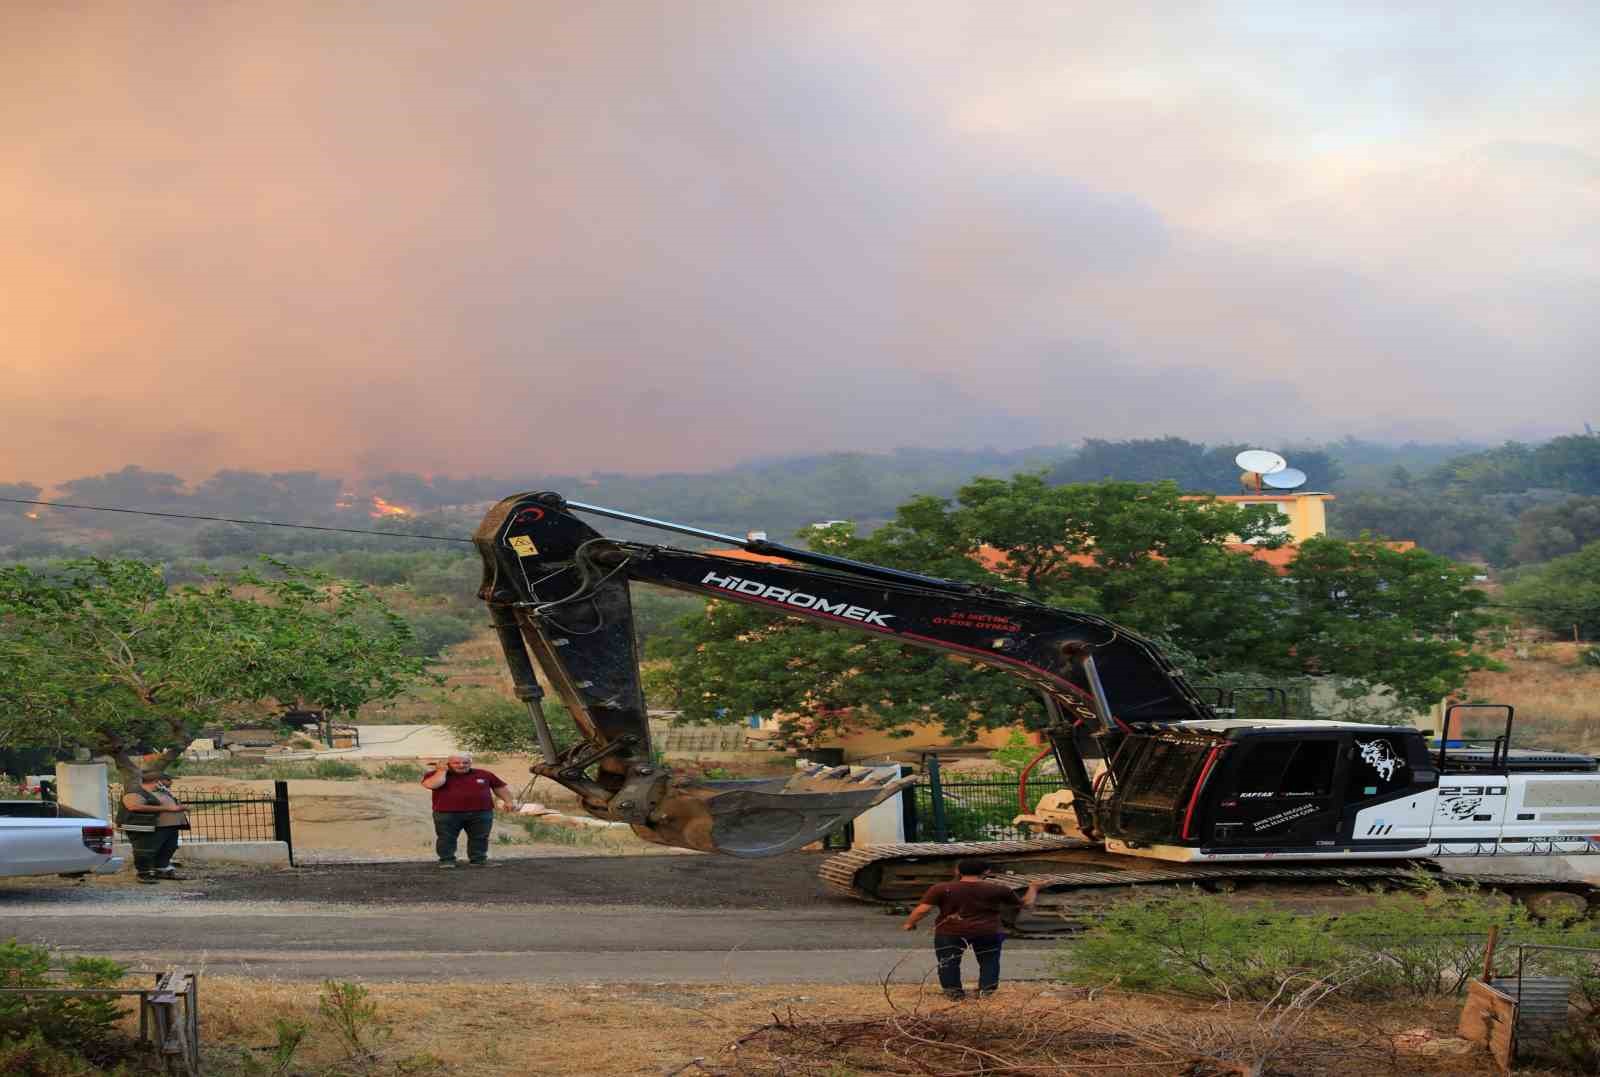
969,810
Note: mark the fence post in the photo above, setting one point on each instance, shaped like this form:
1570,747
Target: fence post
280,817
936,794
908,810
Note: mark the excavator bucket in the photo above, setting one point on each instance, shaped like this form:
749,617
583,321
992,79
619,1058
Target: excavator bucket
769,816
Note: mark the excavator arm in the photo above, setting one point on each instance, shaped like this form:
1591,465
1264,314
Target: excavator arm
558,595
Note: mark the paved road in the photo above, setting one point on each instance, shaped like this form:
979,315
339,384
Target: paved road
616,944
772,928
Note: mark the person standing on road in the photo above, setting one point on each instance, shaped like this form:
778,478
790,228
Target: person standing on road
464,799
972,911
151,817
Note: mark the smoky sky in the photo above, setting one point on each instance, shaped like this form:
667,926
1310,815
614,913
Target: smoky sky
645,236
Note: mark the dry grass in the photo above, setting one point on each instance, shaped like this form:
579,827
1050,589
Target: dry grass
1557,697
521,1030
473,665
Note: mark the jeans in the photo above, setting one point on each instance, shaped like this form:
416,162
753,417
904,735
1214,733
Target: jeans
152,850
448,825
948,950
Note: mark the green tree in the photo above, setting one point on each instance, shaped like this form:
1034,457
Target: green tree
107,655
485,722
1452,525
1401,620
1549,531
1140,554
1101,547
1561,594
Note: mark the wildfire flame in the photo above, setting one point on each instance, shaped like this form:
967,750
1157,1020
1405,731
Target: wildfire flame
31,515
380,507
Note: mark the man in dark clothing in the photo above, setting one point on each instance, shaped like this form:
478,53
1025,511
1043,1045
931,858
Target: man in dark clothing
463,799
972,911
151,817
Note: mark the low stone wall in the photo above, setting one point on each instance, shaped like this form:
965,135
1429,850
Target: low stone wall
223,852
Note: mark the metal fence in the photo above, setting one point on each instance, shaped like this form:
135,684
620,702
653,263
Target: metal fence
939,809
235,815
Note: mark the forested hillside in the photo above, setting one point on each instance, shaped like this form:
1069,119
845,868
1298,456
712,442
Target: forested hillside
1527,510
780,495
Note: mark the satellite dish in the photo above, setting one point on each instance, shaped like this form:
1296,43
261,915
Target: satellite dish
1261,461
1287,479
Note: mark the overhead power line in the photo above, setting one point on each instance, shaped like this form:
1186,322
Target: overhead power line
232,520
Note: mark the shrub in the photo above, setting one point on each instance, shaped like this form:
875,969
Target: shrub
482,722
1418,944
336,769
34,1056
1194,944
399,772
348,1009
432,632
50,1034
551,834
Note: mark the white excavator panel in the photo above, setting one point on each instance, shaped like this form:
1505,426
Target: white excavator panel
1410,818
1548,814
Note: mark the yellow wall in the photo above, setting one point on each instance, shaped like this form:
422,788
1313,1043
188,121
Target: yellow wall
1308,514
871,743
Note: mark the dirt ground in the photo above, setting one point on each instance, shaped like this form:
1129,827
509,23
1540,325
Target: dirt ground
514,1030
369,819
372,819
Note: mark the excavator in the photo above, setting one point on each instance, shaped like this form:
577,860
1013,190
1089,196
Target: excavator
1161,786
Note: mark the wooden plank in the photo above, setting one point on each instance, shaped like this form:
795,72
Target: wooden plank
1489,1017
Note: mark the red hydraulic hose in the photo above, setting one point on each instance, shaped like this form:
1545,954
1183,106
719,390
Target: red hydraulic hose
1199,784
1022,782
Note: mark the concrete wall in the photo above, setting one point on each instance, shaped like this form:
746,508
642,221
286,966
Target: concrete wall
83,787
223,852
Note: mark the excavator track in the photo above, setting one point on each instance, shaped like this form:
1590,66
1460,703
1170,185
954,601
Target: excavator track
1079,880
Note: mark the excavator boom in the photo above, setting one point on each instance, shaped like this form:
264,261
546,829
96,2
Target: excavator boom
558,595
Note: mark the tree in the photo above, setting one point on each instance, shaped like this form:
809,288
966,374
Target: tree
1401,620
1570,463
106,655
1105,547
133,487
1451,525
1549,531
15,523
1561,594
485,722
1140,554
25,491
1193,466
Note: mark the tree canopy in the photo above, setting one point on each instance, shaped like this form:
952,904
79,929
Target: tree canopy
1193,466
1561,594
106,655
1140,554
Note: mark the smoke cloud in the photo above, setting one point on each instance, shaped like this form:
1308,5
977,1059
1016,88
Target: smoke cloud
645,235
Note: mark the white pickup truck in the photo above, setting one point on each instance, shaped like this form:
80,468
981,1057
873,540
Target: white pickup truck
38,837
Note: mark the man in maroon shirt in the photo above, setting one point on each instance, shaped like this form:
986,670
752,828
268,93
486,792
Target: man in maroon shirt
971,913
463,799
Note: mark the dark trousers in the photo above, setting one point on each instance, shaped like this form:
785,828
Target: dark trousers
153,849
447,828
948,950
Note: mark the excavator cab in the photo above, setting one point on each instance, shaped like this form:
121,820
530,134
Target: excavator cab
558,596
